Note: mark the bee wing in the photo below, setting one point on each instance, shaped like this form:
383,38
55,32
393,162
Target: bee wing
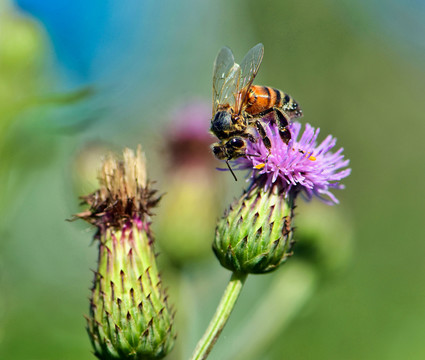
249,69
229,91
226,76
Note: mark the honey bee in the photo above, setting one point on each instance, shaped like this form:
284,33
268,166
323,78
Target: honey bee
240,108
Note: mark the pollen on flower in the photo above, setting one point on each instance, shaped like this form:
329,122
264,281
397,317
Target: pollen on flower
302,165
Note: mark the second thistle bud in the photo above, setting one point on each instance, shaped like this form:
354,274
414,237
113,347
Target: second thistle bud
129,314
255,234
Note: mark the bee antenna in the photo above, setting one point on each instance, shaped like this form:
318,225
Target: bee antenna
228,165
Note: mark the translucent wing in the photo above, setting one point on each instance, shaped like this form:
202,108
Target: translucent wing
225,79
229,91
249,69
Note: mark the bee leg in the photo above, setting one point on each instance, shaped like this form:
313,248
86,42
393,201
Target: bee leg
281,119
251,138
263,135
265,112
285,135
282,122
266,141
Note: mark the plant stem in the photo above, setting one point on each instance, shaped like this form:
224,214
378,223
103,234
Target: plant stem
286,296
224,309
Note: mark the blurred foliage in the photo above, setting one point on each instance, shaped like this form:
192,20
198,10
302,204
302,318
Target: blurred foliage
27,99
20,62
352,78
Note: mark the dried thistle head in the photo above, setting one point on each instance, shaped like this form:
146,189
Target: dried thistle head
129,313
124,192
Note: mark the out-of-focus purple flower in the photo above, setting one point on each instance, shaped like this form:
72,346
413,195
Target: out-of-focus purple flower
301,166
187,139
191,121
189,178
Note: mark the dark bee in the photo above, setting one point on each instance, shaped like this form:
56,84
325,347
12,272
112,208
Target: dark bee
240,108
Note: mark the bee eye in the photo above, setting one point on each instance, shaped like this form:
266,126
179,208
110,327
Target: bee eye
237,143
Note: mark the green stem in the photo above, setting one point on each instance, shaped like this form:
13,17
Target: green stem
286,296
224,309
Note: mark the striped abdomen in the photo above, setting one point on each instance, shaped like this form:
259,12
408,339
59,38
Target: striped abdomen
263,98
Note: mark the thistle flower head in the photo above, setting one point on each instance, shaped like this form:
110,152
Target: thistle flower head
302,165
255,234
129,313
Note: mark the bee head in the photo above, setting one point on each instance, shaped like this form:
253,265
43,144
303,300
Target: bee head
231,149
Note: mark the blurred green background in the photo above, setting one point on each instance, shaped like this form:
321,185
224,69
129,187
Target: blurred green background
79,78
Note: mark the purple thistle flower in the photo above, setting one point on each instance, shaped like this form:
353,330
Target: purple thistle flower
301,166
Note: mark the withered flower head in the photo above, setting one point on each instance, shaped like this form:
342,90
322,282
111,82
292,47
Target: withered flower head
124,192
129,314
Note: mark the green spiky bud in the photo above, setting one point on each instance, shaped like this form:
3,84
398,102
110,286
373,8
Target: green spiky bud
254,236
129,314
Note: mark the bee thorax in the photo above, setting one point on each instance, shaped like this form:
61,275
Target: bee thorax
222,124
